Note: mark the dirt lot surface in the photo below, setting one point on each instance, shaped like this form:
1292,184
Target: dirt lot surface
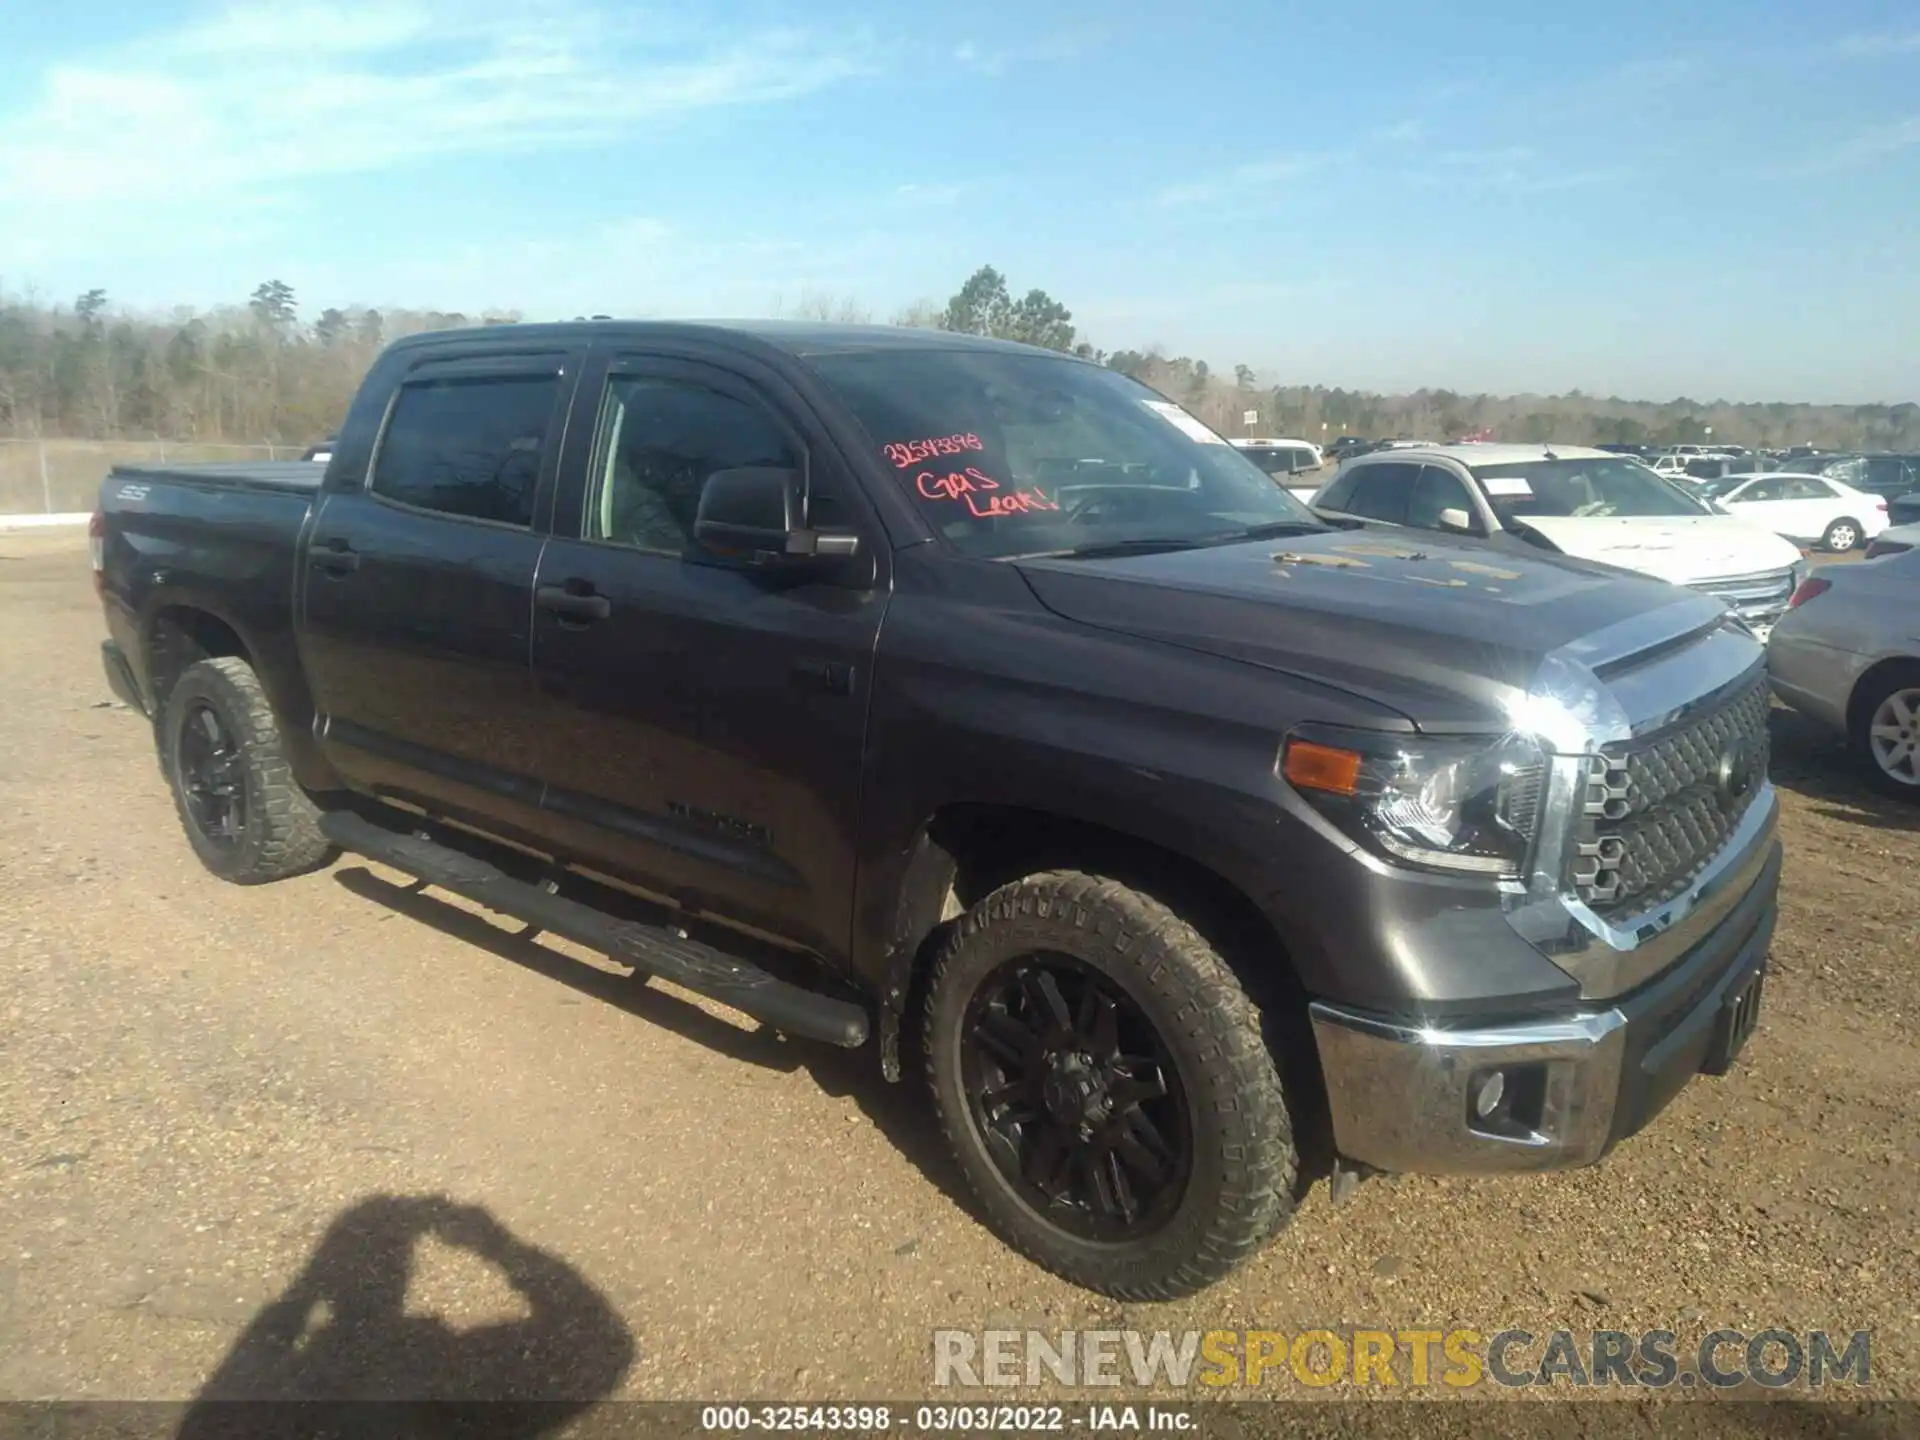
382,1108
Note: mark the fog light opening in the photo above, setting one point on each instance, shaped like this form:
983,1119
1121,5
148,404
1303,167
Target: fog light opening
1508,1102
1487,1100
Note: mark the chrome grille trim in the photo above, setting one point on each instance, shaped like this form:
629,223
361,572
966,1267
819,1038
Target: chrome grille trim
1654,812
1758,598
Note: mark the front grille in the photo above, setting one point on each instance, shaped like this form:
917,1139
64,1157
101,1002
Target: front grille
1655,811
1754,598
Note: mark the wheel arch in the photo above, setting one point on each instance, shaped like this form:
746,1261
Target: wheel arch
967,850
180,628
1867,686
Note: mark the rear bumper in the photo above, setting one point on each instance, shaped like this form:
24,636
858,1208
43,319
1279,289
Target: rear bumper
120,676
1403,1094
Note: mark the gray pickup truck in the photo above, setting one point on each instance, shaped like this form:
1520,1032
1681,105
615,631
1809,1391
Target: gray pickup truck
934,696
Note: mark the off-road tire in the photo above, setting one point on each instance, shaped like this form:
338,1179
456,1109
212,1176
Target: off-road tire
1831,540
1240,1190
282,834
1866,703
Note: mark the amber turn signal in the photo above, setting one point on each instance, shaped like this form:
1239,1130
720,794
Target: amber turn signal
1321,767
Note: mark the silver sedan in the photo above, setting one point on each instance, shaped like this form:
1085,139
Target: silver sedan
1848,654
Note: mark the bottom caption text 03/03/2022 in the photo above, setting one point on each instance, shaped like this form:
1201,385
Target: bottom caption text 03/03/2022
945,1419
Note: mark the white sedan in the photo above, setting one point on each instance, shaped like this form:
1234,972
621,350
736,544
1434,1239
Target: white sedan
1807,508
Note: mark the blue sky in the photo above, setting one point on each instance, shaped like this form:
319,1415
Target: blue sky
1717,199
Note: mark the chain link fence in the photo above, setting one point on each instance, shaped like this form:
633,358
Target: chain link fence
62,477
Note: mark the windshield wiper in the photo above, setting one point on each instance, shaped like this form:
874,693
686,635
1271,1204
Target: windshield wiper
1152,545
1273,530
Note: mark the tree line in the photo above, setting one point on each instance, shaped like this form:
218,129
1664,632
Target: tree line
258,372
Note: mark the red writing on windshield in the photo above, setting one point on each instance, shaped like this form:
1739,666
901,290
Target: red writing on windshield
972,486
953,486
1012,502
904,453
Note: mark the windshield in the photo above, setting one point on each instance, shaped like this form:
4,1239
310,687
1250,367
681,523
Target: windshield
1014,454
1604,486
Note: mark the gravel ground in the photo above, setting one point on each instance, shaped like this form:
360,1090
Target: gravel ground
499,1167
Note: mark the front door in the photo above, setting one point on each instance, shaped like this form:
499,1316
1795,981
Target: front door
417,596
703,725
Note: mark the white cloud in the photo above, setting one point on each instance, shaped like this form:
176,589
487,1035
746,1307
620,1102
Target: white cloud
1254,179
1865,147
997,60
930,197
1873,44
245,107
1403,132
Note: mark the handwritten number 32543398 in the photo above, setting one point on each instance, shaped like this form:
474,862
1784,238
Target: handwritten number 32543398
906,453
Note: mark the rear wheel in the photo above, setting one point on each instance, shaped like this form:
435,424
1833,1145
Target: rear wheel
1886,731
1104,1083
1841,536
245,816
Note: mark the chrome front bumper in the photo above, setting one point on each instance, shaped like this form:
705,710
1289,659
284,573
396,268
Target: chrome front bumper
1402,1093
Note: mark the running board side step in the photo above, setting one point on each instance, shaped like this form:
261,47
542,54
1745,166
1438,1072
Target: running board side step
651,948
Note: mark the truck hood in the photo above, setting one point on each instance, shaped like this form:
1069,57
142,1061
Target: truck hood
1684,549
1447,632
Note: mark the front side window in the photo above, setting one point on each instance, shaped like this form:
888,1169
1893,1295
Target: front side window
1435,492
1010,454
467,446
1602,486
659,440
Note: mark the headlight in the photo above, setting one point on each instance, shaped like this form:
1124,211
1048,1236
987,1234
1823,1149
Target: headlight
1466,805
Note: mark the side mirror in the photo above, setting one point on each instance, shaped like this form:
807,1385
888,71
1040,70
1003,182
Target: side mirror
758,514
1456,519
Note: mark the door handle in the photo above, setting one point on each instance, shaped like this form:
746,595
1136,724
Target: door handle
575,604
833,676
335,556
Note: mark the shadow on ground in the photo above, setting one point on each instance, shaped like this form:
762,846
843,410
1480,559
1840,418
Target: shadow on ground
340,1333
902,1112
1814,763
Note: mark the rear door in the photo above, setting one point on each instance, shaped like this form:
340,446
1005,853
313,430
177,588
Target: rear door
1810,506
1887,475
418,592
702,725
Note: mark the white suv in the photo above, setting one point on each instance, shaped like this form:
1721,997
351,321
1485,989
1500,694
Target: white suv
1580,502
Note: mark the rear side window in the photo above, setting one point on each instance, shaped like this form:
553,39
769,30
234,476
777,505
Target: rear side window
468,446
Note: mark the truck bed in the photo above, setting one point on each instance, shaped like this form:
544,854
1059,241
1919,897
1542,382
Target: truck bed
302,476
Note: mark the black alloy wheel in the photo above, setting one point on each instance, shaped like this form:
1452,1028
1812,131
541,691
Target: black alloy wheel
213,777
1076,1098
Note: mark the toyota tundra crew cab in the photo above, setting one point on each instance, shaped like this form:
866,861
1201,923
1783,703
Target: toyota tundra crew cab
971,703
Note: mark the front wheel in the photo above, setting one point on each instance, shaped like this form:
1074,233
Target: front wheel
1104,1083
245,816
1886,732
1841,536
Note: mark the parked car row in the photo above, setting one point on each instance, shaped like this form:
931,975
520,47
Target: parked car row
1845,643
1574,501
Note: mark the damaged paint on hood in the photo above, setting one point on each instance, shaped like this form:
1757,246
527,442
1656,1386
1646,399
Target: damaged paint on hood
1446,631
